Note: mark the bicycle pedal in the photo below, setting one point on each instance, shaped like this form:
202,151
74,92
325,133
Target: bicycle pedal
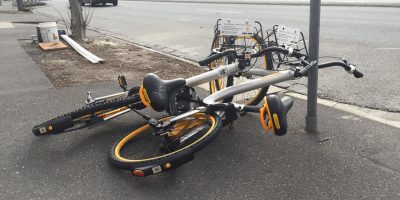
122,82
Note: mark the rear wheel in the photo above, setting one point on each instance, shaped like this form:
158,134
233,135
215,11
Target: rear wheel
142,147
88,115
115,3
241,44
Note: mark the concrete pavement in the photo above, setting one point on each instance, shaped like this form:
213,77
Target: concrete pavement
362,3
20,74
350,158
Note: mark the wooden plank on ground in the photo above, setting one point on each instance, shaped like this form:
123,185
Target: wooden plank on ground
47,46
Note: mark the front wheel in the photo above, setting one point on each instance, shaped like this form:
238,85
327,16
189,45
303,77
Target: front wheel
143,148
115,3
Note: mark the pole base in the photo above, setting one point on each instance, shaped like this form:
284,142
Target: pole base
311,124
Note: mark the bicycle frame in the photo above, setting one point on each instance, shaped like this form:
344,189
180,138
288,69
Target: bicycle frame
267,78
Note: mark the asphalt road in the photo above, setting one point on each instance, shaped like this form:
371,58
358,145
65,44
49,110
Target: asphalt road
367,37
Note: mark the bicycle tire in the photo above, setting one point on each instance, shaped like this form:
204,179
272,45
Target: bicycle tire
67,121
219,84
131,164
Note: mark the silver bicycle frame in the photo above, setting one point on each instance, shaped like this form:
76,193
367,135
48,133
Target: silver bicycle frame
261,82
267,78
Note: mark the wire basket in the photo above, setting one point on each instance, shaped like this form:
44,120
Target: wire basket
239,35
286,37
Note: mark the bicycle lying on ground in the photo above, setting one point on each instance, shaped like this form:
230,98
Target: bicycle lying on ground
167,143
194,122
108,107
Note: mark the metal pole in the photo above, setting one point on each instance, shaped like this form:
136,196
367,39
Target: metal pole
311,118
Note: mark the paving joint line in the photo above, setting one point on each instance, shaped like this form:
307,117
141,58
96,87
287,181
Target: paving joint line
381,165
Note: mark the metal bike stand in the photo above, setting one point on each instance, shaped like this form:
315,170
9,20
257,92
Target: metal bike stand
311,118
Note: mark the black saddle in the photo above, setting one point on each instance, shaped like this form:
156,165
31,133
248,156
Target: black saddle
157,92
274,113
278,109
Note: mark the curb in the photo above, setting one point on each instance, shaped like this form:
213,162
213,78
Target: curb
367,113
287,3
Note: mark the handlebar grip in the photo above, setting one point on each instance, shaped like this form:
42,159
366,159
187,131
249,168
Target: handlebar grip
357,74
211,58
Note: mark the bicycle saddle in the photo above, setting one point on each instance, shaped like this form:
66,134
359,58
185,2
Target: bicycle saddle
156,92
276,110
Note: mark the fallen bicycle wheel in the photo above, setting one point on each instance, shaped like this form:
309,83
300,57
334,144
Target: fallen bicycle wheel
146,151
88,115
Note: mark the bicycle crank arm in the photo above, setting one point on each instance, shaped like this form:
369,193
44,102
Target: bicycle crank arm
91,100
164,167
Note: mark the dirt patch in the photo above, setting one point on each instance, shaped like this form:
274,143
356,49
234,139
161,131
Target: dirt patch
68,68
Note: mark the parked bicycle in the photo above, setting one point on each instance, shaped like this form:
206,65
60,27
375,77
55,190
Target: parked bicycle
241,36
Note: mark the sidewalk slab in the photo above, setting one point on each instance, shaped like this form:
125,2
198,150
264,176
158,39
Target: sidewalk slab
18,72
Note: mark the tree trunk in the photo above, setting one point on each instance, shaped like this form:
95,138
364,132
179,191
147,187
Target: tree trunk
78,28
20,5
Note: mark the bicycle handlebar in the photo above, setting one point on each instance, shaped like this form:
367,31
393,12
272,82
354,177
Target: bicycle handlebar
211,58
351,69
290,52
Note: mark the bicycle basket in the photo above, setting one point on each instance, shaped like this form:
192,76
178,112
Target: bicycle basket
286,37
241,35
